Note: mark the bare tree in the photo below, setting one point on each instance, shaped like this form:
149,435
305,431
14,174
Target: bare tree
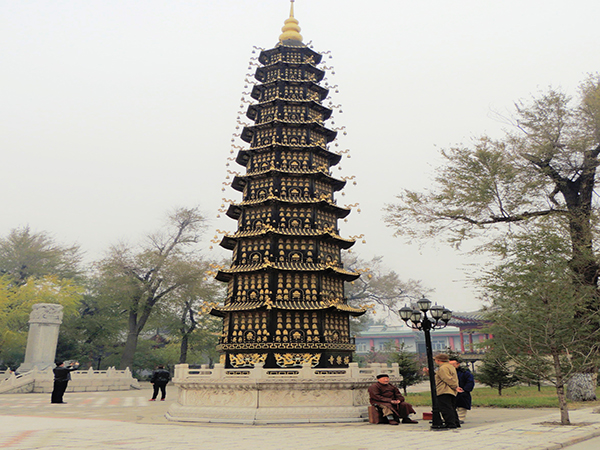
541,174
140,280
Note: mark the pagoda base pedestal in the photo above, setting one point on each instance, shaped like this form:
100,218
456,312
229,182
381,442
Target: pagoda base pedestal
270,396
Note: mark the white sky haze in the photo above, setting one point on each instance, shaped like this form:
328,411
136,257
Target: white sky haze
114,112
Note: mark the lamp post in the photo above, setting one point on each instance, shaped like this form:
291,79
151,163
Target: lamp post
417,319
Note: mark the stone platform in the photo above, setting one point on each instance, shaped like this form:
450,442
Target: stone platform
270,396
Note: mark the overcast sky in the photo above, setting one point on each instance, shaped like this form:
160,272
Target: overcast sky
112,113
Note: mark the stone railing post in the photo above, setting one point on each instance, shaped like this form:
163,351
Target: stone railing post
218,371
181,371
353,370
258,372
306,372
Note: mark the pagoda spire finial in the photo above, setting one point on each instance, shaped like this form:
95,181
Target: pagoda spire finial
291,30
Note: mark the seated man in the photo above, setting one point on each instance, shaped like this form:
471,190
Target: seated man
388,398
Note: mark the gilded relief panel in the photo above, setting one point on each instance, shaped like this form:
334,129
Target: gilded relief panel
295,160
315,116
336,328
255,251
297,359
249,327
261,161
296,250
330,253
296,286
325,219
294,136
264,137
295,187
246,359
267,114
296,327
252,287
260,189
294,217
256,218
322,188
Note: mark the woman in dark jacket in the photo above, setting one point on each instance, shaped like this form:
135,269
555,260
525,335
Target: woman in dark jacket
466,383
160,379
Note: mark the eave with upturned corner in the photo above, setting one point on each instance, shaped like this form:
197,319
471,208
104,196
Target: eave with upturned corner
243,156
267,55
239,181
230,241
235,210
346,275
252,112
249,132
286,305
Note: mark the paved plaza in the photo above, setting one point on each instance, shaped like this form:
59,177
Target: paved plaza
127,420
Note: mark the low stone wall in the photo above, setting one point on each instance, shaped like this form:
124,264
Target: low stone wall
81,381
262,396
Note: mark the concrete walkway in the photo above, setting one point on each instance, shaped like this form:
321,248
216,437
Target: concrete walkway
127,420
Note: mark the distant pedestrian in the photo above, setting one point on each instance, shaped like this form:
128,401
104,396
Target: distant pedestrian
466,383
160,379
62,376
446,386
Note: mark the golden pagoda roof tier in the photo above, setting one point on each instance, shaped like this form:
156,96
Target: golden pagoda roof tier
252,111
286,266
310,55
243,156
325,203
317,74
228,242
320,90
240,306
240,181
221,311
248,132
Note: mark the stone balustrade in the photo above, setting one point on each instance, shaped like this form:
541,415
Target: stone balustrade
183,373
81,381
259,395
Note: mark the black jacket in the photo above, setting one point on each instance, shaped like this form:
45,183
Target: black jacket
62,373
160,376
467,382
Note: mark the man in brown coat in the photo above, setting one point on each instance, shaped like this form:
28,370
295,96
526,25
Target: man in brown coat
446,387
388,398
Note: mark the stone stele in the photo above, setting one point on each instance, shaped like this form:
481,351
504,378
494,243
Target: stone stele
44,323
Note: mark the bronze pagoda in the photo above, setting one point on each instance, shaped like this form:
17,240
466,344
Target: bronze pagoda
285,304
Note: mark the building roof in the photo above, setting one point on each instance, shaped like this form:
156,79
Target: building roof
472,319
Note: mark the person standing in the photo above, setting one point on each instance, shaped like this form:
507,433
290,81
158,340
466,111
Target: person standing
160,379
390,400
62,376
446,386
466,383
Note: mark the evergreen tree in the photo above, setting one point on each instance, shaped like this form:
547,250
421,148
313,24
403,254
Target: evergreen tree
495,372
408,365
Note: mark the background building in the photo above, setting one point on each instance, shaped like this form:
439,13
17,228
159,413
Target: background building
463,335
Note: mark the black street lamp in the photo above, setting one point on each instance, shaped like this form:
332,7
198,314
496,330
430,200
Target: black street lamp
417,319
